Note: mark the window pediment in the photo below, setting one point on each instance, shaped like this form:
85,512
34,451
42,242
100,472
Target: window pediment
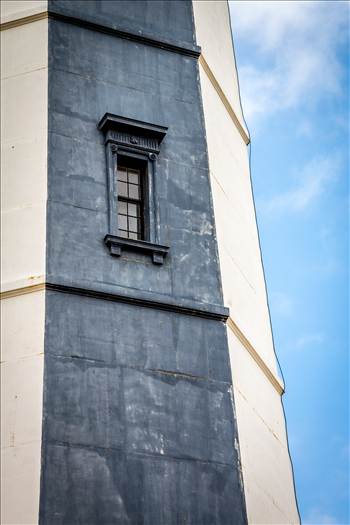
134,133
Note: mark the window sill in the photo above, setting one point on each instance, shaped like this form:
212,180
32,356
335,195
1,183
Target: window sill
117,244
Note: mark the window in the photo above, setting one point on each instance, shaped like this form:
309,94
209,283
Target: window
130,207
131,150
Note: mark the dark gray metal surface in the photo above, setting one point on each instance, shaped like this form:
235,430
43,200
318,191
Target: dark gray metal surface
170,23
138,412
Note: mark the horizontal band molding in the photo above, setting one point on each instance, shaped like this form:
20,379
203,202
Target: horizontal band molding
276,383
214,315
214,312
188,307
24,20
23,290
224,99
183,49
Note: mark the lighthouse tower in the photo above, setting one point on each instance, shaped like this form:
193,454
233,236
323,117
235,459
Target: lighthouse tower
139,383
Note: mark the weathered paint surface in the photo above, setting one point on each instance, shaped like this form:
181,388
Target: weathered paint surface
148,84
138,416
267,474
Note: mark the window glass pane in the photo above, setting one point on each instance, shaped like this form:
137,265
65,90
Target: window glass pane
122,174
123,207
133,224
123,222
122,189
134,191
134,176
133,210
130,203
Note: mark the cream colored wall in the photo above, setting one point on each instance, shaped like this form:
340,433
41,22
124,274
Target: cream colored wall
241,269
22,363
14,9
213,34
266,468
24,78
267,474
24,84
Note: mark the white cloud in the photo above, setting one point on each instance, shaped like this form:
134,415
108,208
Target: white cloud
318,517
305,129
312,180
297,43
282,304
328,267
308,340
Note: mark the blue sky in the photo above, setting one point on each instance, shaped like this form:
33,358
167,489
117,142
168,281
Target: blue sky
293,67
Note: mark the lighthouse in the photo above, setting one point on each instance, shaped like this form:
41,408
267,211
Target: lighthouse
138,374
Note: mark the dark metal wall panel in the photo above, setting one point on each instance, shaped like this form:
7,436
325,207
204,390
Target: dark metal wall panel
127,335
138,408
92,488
138,417
91,74
170,21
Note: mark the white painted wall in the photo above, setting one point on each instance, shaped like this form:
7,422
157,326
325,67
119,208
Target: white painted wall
24,121
212,21
14,9
24,77
266,467
22,364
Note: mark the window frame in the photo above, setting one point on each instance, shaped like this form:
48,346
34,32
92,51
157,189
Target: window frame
150,232
139,203
138,142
